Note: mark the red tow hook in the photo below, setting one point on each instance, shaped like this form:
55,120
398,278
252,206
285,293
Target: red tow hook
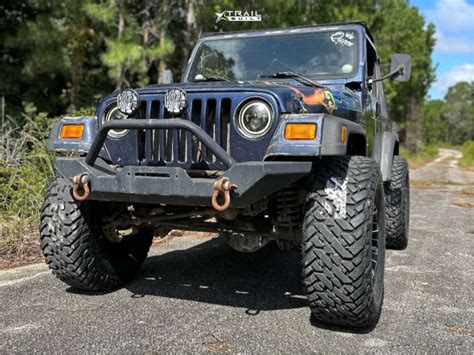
222,187
80,182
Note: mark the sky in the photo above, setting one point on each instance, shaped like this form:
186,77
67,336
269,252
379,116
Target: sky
454,50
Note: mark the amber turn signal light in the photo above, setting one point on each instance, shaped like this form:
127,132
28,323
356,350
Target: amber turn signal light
72,131
343,134
305,131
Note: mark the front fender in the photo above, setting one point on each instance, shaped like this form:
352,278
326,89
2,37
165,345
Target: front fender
78,145
328,141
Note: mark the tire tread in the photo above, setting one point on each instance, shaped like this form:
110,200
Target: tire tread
337,252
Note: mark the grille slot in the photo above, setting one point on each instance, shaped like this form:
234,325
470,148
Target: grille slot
175,147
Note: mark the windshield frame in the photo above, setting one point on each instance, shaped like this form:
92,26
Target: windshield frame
356,76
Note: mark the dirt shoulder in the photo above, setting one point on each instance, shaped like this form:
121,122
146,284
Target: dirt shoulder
26,252
444,170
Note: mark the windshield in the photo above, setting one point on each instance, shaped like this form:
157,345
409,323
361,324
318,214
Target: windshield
316,55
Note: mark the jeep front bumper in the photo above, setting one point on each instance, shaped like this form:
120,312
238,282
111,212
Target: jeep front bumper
173,185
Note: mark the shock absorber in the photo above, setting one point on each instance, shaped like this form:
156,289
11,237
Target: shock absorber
289,208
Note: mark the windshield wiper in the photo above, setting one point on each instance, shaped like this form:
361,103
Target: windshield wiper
291,75
212,78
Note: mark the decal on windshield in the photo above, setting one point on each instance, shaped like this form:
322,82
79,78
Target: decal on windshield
343,38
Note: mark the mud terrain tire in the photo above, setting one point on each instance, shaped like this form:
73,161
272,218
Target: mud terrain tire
344,242
75,249
397,205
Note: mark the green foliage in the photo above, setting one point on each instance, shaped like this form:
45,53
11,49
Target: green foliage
134,38
434,127
459,113
425,154
25,169
426,151
104,12
450,121
467,150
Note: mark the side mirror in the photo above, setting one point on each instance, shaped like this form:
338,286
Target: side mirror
166,77
400,67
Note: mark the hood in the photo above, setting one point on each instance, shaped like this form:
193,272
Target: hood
292,96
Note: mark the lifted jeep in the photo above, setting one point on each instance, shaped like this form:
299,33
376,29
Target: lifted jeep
271,136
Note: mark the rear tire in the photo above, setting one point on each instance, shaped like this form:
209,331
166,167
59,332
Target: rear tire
397,205
344,242
76,250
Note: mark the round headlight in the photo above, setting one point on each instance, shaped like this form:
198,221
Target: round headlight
128,101
114,114
255,119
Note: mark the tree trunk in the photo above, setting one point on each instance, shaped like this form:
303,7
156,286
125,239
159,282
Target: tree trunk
164,13
190,32
120,67
413,130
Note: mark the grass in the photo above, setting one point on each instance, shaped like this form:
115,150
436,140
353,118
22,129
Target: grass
426,154
25,169
467,160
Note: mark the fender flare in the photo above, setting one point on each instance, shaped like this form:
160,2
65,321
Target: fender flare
389,140
81,145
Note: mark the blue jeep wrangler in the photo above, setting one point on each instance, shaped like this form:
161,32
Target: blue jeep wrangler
276,136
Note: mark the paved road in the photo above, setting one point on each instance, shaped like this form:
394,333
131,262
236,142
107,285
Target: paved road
194,294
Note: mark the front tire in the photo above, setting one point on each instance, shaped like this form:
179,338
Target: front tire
76,250
344,242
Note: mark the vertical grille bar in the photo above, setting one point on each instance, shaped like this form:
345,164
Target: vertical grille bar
161,133
217,128
203,126
175,141
195,118
148,134
155,114
189,136
225,124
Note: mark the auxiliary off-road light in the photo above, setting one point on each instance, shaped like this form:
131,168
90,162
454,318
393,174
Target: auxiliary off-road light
303,131
128,101
72,131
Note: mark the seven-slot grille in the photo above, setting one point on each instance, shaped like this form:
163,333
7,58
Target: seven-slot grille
178,147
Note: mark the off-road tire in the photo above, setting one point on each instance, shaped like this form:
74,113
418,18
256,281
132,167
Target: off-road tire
397,205
75,249
342,285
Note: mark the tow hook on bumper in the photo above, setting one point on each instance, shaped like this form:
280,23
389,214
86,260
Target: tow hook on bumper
222,187
80,187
